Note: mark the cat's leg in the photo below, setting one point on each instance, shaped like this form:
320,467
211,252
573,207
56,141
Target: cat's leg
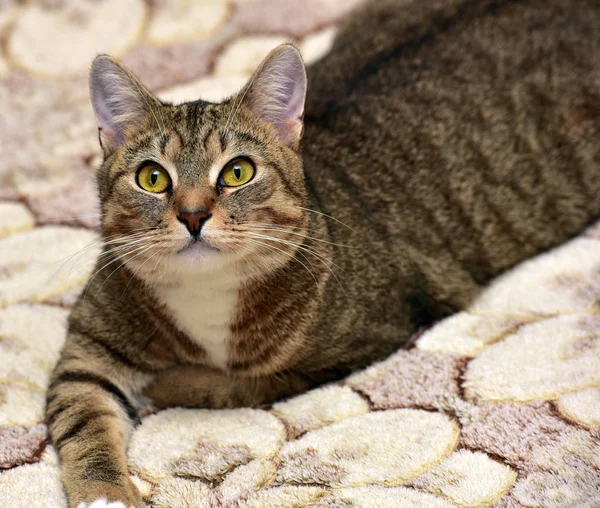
89,413
201,387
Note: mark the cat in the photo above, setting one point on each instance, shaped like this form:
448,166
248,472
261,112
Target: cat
282,238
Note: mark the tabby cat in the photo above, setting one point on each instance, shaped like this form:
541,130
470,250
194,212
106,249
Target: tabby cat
260,246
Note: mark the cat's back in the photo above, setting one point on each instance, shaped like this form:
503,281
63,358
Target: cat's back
466,126
455,138
469,41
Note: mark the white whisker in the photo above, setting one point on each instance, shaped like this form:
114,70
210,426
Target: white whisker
328,216
309,251
143,249
267,227
276,249
110,263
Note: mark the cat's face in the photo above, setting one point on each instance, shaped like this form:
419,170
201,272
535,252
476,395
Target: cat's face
203,186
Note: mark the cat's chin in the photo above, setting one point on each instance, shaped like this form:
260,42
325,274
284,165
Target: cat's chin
199,252
200,257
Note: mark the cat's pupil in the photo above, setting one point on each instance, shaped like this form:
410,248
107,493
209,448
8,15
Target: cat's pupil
237,171
153,177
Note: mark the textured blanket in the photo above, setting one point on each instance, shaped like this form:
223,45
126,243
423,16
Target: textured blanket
498,405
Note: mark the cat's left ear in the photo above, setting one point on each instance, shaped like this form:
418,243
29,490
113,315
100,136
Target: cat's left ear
276,93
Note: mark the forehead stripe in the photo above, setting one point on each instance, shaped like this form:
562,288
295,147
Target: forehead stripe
207,138
141,143
244,136
164,141
223,141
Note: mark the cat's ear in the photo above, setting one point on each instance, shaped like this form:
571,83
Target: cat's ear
276,92
119,99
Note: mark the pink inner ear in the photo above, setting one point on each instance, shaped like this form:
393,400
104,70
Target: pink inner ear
277,92
108,138
118,100
292,130
107,118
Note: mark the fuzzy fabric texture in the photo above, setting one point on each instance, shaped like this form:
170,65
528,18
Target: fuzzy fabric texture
498,405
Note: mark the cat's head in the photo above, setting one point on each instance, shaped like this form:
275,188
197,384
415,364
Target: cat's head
202,186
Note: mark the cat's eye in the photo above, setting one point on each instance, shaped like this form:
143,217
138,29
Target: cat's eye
237,172
153,178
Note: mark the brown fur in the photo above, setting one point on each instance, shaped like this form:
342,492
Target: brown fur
452,140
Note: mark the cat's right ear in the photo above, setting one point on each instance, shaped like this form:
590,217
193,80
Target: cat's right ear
119,99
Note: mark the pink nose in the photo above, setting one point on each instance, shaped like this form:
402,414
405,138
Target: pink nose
194,219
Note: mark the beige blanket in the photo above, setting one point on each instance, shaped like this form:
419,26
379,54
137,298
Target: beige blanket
499,405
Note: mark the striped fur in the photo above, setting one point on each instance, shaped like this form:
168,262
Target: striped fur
452,140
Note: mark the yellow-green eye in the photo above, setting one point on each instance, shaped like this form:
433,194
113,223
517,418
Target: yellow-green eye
237,172
153,178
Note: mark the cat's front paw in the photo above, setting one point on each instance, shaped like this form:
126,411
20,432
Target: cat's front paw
106,495
103,503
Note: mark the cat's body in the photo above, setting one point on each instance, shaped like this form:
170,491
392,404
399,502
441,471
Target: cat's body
442,145
464,146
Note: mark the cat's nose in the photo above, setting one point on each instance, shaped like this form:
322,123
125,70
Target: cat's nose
194,219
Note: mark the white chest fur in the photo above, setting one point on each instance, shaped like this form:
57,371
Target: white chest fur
203,306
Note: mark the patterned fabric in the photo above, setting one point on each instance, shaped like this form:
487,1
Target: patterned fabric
498,405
